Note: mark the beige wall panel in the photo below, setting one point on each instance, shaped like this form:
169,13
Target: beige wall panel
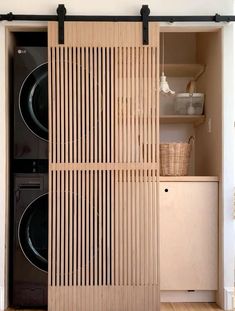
208,144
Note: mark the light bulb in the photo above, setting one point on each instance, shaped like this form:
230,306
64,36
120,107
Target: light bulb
164,87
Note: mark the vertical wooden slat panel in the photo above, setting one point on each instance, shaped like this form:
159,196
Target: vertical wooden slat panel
71,215
129,227
121,226
145,103
52,244
59,257
65,104
120,93
124,224
117,236
78,105
79,230
138,236
83,105
87,231
83,232
112,201
103,111
70,106
124,103
104,228
91,104
75,117
103,83
91,230
86,108
96,217
112,231
108,231
100,228
128,104
71,181
140,111
99,103
66,225
137,107
60,111
116,104
75,222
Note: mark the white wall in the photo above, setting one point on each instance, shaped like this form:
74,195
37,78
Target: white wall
125,7
228,158
115,7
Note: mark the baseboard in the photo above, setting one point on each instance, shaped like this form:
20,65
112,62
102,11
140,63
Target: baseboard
2,307
185,296
229,298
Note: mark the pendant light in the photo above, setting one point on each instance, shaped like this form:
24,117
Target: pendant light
164,87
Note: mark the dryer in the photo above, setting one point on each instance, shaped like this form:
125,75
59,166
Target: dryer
30,135
30,240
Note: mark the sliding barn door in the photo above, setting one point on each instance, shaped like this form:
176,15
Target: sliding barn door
103,204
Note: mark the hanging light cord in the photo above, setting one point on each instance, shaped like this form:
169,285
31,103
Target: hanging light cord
163,51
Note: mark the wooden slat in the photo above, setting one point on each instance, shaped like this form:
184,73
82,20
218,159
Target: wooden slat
96,248
120,104
100,229
83,232
117,236
87,229
65,232
75,226
124,224
78,105
101,166
83,106
121,225
99,103
79,229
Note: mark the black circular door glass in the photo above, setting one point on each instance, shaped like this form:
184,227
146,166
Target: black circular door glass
33,232
34,101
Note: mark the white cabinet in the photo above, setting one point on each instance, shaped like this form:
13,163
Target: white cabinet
189,235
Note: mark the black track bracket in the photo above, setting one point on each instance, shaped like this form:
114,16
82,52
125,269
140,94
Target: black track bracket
9,17
61,11
145,11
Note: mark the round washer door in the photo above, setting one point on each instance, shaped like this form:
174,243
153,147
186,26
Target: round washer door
33,101
33,232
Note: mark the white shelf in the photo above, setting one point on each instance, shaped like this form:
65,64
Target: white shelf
183,70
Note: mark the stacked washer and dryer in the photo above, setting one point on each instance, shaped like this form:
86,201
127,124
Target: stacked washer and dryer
30,175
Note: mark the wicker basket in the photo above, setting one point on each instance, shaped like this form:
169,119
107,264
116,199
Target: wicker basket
174,158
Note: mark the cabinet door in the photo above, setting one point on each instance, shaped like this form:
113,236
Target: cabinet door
188,235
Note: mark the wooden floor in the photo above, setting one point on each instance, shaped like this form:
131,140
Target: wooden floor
172,306
189,306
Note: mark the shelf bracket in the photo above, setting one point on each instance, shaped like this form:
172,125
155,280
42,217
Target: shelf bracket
145,11
61,11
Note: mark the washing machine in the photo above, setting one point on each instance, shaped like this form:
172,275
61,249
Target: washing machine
30,241
30,134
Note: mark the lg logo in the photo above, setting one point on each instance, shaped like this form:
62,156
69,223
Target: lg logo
21,51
